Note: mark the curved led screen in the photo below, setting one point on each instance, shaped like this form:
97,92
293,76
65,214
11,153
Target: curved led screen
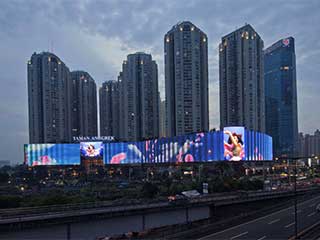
52,154
234,143
231,144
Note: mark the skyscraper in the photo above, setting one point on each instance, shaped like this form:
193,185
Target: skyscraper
281,96
109,109
162,118
241,79
83,97
48,91
139,98
186,79
309,144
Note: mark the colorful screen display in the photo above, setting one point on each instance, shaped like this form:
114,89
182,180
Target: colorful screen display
91,154
51,154
259,146
91,150
199,147
234,143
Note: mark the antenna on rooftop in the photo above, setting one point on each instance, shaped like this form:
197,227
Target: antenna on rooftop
51,46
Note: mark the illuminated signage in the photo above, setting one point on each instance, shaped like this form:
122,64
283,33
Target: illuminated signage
286,42
233,144
95,138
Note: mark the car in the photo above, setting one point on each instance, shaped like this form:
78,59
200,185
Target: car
190,193
177,199
318,207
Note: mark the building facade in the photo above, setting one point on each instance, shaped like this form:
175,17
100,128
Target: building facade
241,80
83,97
281,96
162,118
48,91
139,98
186,80
109,109
309,144
200,147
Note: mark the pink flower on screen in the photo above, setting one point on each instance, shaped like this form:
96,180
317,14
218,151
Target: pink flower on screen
188,158
35,163
147,145
116,159
45,160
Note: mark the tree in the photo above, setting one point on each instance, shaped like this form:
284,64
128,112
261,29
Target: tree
4,177
9,201
167,183
149,190
224,169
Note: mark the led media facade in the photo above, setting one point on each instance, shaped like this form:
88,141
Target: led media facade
91,154
199,147
232,144
91,150
51,154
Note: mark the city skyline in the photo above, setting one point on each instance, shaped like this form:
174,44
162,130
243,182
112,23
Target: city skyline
84,48
62,104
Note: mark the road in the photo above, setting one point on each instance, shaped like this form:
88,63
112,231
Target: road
278,225
18,215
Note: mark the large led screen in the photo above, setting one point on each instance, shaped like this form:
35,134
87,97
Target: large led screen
234,143
231,144
199,147
51,154
91,150
91,154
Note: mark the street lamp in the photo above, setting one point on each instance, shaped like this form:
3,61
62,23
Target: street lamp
295,159
295,201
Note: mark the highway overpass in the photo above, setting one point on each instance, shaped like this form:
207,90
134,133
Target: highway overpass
104,218
277,225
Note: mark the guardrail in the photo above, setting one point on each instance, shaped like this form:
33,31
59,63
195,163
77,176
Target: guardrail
56,215
64,207
245,196
69,210
311,232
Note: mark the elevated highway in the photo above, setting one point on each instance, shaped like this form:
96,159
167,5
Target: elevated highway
18,215
140,216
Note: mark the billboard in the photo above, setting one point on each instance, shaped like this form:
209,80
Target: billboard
234,143
51,154
231,144
179,149
91,153
91,150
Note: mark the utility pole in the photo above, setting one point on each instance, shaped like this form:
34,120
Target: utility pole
294,160
130,172
264,174
289,171
68,231
295,201
200,168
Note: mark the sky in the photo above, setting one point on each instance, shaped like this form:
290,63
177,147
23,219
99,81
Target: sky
96,36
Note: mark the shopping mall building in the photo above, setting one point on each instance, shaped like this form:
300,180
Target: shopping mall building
231,144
